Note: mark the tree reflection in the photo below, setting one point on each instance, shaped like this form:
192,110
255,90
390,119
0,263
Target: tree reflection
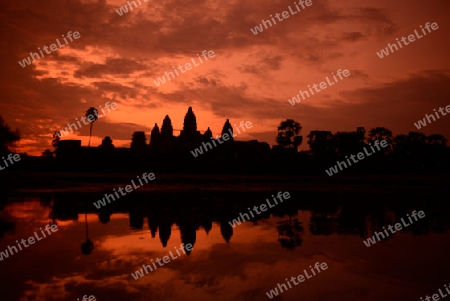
88,246
289,233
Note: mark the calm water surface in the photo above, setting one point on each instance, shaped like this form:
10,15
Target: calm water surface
241,263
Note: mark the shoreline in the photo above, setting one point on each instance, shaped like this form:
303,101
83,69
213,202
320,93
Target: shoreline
16,181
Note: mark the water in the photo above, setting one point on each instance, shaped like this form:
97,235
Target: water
226,263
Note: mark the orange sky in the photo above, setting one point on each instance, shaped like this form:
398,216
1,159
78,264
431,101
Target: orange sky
251,77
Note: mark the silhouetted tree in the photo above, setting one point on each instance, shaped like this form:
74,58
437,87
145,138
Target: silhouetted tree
400,144
47,154
56,139
288,134
410,150
138,141
436,152
349,142
107,143
381,133
321,143
92,116
7,137
436,141
416,142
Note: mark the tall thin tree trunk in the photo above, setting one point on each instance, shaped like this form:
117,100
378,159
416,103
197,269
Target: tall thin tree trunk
90,135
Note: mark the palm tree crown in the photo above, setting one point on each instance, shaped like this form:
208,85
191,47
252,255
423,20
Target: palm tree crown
92,116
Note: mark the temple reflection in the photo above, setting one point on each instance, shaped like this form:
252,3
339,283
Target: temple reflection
190,214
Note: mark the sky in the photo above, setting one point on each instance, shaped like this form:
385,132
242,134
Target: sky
250,78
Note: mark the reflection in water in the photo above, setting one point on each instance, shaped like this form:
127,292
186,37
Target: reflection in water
88,246
188,233
326,219
289,233
283,239
6,226
226,230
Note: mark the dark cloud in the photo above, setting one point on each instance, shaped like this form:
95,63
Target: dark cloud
123,67
408,100
249,69
352,36
117,59
272,62
359,74
375,21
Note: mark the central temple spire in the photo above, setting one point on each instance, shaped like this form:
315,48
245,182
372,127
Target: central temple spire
167,129
190,124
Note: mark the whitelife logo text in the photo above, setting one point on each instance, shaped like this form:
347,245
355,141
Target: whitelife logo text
128,189
284,16
27,61
30,240
411,38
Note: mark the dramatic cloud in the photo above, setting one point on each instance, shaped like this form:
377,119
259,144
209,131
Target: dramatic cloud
118,58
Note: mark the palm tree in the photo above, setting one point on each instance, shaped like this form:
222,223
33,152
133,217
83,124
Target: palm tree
92,116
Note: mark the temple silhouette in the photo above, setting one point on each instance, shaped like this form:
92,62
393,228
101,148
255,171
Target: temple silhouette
195,152
164,150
